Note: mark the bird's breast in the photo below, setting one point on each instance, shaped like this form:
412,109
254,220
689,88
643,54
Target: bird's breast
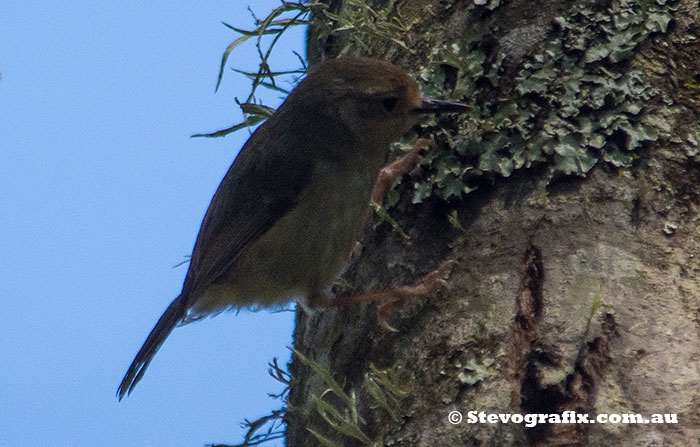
307,248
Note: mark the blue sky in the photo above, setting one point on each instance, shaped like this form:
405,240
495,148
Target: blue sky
103,193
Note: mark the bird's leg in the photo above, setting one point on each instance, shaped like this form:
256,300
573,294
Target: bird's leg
390,173
429,285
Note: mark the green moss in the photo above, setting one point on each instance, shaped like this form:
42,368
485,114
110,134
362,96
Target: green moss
340,408
365,29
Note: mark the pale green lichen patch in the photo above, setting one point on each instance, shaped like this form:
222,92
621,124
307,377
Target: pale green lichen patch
474,371
573,102
488,4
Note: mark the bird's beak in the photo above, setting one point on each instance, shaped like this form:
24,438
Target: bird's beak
429,105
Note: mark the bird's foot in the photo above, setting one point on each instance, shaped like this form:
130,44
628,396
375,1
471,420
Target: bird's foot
391,299
429,285
392,172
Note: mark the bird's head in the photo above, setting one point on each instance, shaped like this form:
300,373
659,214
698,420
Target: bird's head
375,101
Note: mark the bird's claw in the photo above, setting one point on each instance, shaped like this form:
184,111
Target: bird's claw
383,313
431,284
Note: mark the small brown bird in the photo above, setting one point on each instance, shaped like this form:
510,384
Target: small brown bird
286,215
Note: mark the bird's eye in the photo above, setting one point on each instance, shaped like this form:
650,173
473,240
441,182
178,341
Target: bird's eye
389,104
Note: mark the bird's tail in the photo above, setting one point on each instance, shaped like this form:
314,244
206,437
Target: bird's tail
172,316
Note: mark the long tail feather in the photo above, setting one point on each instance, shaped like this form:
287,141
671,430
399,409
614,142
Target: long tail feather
172,316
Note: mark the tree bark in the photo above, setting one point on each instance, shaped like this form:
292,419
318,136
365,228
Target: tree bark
575,286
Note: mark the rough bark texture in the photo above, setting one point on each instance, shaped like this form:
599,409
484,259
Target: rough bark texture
568,293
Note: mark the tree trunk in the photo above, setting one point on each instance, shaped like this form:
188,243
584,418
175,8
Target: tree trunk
569,201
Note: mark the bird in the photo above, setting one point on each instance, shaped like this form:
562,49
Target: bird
286,216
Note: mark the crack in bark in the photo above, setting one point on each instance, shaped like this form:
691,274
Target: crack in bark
529,308
578,391
581,389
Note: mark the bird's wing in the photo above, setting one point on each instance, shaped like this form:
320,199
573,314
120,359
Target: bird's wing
260,187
